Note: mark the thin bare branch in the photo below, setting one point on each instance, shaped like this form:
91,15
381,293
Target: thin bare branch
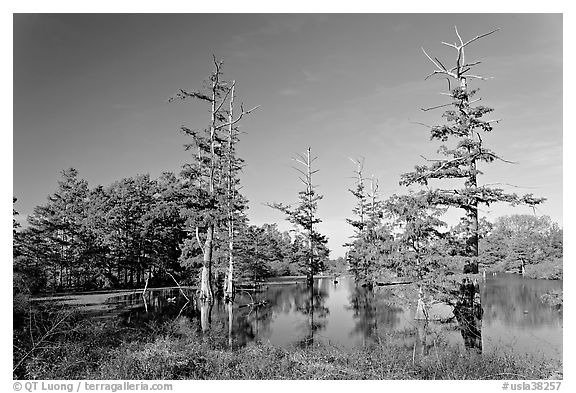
435,107
441,72
422,124
442,65
225,97
299,170
179,287
243,112
50,332
300,162
484,78
503,160
144,293
480,36
509,185
471,64
433,62
458,34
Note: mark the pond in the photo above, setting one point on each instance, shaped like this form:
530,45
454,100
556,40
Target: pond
513,317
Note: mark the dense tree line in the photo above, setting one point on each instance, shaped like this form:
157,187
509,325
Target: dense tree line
520,240
411,240
132,230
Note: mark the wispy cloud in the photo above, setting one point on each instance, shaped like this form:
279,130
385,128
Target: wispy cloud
310,77
290,92
280,24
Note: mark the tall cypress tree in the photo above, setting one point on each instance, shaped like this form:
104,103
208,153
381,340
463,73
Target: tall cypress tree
207,168
304,215
464,124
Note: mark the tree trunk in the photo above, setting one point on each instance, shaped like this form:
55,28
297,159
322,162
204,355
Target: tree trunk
230,322
310,340
205,311
473,240
206,293
472,213
228,285
311,218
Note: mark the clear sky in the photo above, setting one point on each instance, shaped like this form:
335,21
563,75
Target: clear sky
90,92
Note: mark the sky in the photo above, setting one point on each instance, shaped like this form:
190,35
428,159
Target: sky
90,91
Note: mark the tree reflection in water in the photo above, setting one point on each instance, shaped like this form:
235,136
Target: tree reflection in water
468,312
511,312
247,318
371,310
310,301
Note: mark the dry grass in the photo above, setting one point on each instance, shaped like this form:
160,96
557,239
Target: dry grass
177,351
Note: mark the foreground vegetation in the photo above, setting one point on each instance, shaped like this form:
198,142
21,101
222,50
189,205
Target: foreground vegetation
175,350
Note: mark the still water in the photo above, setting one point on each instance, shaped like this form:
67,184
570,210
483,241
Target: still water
512,318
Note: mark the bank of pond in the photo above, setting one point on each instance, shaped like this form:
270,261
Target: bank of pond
395,328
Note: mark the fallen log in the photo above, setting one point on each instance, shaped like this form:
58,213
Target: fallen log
383,284
255,304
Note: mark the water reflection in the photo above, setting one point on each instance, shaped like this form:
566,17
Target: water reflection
510,314
468,312
372,309
310,301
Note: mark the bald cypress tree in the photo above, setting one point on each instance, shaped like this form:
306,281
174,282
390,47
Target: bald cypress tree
304,216
207,171
463,127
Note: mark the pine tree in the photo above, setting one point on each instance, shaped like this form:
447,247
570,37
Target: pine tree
58,228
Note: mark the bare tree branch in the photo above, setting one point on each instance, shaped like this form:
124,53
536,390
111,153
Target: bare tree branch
422,124
179,287
237,119
225,97
480,36
484,78
450,45
48,333
435,107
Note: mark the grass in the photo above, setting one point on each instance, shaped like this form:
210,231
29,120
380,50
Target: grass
177,351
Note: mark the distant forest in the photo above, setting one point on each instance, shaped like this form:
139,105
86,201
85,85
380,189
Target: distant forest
115,236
